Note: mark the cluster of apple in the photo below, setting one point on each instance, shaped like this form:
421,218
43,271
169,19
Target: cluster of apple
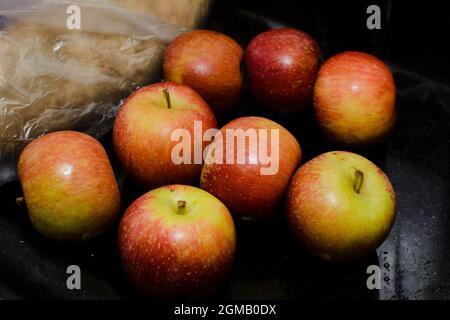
178,240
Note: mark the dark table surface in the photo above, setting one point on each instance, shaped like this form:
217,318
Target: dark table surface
414,260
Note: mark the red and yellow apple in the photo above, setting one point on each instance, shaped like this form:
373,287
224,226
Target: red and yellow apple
143,133
210,63
248,166
340,206
69,186
282,66
354,99
177,242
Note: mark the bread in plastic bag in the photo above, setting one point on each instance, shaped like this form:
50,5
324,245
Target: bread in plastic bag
53,78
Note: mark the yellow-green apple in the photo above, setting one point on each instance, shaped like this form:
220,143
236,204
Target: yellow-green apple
248,166
354,99
69,186
145,134
210,63
340,206
282,66
177,241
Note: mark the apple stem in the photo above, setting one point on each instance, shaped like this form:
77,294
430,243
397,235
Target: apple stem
167,95
20,201
358,181
181,207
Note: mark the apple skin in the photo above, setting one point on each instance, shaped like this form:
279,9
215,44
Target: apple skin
69,186
282,66
142,133
168,255
210,63
354,99
329,218
248,194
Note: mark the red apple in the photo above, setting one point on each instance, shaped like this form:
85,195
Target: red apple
340,206
177,242
237,172
143,133
354,99
282,66
210,63
69,186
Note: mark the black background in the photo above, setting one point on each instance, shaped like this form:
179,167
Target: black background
413,33
415,259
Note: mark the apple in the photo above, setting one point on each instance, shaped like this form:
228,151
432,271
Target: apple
69,186
354,99
177,242
248,167
210,63
282,66
143,133
340,206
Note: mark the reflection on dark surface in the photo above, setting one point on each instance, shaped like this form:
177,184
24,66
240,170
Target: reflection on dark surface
415,259
417,163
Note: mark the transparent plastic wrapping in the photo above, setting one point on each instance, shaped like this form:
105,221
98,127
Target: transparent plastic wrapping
56,78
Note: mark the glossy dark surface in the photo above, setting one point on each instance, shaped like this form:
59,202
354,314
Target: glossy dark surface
415,259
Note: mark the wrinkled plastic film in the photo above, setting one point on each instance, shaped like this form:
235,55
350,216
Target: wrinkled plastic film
53,78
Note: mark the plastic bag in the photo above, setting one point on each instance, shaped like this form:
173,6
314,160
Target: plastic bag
53,77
